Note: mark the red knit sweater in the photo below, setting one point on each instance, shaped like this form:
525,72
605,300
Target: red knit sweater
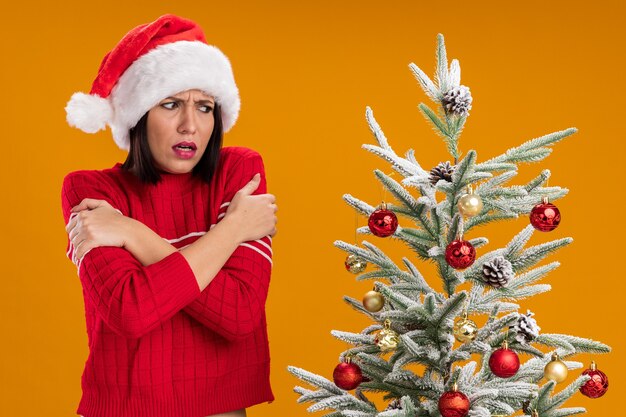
158,346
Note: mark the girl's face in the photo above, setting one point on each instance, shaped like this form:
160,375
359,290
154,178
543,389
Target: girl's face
179,129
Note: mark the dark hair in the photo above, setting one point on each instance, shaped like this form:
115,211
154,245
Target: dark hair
140,157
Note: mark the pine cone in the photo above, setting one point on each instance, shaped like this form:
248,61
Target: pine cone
443,171
526,328
458,101
394,405
498,272
526,405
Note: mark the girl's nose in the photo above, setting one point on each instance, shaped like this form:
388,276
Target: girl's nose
187,123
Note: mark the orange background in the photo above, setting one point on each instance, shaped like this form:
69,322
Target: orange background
306,71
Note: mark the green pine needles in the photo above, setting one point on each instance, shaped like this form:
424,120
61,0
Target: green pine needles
424,318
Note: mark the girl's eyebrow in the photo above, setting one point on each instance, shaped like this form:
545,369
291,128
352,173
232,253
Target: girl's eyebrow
203,101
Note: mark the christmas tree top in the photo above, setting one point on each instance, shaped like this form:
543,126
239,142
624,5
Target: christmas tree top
414,324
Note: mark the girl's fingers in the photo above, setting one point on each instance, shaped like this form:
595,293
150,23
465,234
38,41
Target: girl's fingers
72,222
81,206
84,205
76,253
70,225
75,242
89,203
80,249
73,231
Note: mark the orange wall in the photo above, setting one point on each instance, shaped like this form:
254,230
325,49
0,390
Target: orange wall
306,71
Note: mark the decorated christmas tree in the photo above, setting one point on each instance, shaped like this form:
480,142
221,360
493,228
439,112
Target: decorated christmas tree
424,353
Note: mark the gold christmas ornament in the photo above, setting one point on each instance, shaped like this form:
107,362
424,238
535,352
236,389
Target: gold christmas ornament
355,264
373,301
465,330
470,204
387,339
555,370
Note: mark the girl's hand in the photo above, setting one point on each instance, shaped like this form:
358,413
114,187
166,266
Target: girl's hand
253,216
94,223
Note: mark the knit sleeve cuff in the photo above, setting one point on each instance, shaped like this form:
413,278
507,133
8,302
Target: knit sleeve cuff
174,283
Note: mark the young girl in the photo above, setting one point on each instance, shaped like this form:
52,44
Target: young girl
172,247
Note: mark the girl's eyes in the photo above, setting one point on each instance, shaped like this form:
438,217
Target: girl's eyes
170,105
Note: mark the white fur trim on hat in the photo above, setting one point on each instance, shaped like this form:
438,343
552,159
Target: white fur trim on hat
89,113
164,71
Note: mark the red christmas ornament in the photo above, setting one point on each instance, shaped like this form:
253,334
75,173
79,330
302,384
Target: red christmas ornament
598,385
347,375
460,254
504,362
454,403
383,222
545,216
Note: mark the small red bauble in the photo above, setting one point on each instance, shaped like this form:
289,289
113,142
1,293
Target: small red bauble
460,254
347,375
598,385
504,362
454,404
545,217
383,222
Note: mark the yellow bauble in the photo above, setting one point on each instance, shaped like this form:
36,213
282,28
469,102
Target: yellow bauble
555,370
470,204
387,339
355,264
465,330
373,301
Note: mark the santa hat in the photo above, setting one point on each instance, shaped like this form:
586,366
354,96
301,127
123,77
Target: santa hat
151,62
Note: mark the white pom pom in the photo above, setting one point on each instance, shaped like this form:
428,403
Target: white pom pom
89,113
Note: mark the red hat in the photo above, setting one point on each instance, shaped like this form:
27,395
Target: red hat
151,62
